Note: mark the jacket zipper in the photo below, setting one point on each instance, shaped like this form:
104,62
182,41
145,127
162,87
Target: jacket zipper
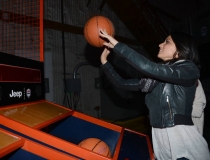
167,99
163,125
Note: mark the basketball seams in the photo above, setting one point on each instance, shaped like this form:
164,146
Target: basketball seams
108,152
109,30
111,27
87,35
97,30
91,30
96,144
83,142
101,148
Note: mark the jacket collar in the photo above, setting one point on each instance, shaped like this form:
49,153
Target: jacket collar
179,61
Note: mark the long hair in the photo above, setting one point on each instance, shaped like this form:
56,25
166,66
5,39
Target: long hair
186,47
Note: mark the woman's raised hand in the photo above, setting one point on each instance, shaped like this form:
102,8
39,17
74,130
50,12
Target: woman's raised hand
112,42
104,55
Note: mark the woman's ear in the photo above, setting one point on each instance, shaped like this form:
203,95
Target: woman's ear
176,54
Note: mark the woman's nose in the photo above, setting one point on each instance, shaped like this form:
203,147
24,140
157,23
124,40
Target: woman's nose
160,44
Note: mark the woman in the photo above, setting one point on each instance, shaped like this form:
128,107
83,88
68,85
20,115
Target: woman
170,91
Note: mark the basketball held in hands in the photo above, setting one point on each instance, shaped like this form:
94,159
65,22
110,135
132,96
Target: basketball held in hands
92,29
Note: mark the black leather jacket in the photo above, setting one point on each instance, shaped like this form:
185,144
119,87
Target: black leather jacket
171,88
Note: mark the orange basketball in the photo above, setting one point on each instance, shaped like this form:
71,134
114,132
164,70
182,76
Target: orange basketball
96,145
92,28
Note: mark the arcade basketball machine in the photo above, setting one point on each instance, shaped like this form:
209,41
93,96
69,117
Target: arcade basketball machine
34,128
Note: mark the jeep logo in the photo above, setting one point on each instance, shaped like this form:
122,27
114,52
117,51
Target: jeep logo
16,94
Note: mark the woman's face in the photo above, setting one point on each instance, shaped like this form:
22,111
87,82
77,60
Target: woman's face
167,49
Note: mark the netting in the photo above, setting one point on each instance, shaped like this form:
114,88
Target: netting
21,23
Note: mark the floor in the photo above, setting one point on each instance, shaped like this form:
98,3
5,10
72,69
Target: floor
138,124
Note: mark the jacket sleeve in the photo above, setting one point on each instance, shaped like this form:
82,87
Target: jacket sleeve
183,74
144,85
199,102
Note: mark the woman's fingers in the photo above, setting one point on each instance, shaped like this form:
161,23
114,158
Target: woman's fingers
103,33
104,55
108,45
107,51
111,40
